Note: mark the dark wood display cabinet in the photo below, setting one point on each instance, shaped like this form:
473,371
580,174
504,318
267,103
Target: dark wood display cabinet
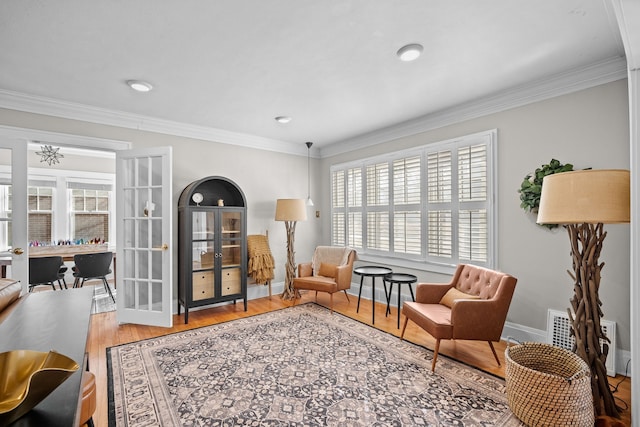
212,248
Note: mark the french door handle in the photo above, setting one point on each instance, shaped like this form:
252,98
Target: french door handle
18,251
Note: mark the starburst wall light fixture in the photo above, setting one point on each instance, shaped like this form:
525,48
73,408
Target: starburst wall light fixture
49,155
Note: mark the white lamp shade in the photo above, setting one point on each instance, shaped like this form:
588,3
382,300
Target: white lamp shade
291,210
585,196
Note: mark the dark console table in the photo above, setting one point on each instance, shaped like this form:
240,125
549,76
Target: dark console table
57,321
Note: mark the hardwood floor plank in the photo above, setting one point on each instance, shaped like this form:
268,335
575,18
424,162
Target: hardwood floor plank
105,332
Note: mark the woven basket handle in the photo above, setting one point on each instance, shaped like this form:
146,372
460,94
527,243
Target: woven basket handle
512,339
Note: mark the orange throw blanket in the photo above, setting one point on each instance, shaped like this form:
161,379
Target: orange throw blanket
261,263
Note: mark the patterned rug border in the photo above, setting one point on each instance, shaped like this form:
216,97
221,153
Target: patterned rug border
110,382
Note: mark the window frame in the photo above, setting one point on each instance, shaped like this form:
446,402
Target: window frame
61,195
422,261
38,186
73,213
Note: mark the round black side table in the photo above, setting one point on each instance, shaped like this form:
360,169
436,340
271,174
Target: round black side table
400,279
373,272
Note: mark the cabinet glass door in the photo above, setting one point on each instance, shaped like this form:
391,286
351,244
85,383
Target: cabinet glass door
203,254
203,225
231,245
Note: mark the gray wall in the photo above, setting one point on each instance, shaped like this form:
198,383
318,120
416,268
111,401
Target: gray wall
264,176
589,128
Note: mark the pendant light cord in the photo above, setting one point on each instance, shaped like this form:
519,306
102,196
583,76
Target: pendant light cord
309,201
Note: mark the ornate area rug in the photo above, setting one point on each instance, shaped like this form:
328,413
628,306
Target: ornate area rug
300,366
102,302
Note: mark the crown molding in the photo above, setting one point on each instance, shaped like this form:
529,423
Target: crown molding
87,113
539,90
560,84
36,137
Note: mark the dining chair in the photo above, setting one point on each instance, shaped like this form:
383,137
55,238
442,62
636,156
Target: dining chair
44,271
93,266
62,271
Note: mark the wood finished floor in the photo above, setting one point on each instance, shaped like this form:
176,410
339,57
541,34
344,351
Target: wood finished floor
105,332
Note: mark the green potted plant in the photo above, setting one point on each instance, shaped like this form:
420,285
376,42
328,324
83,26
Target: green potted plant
531,186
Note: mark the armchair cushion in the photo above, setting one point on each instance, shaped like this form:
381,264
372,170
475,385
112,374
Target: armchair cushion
336,255
327,270
454,294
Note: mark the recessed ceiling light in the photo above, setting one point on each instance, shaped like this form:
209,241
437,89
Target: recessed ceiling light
139,85
283,119
410,52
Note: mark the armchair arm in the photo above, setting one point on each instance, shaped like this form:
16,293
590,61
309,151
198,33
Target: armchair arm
478,319
305,270
343,276
431,293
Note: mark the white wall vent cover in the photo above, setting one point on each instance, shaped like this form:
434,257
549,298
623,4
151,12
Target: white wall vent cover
559,334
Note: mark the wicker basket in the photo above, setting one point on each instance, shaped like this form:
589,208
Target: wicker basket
548,386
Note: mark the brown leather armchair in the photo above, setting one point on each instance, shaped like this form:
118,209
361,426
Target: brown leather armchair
330,271
473,306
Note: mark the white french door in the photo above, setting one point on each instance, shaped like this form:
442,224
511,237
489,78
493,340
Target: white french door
13,216
144,232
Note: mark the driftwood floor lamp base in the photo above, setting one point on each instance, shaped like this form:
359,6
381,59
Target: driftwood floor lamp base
591,344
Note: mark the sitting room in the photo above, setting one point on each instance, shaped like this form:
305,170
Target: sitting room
384,153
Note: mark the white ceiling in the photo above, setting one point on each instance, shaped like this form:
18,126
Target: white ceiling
233,65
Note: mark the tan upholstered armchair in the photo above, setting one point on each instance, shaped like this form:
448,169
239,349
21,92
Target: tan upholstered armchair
473,306
330,271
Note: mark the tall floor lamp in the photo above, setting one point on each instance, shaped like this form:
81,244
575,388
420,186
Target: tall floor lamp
290,211
583,201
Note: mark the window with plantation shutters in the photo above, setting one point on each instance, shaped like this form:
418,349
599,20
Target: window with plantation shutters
355,230
378,184
407,218
406,181
431,205
338,214
472,198
354,187
439,206
346,207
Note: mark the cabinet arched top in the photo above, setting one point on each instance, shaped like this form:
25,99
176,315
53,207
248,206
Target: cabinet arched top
213,189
